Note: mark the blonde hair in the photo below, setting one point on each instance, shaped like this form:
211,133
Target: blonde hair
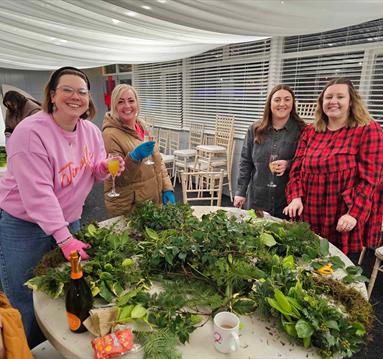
116,94
358,113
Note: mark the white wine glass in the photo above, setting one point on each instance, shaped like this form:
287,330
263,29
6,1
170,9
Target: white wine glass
148,137
113,167
273,157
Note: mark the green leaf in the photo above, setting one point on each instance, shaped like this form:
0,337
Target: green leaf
289,328
273,303
304,329
323,247
106,276
125,313
244,306
123,300
92,229
152,234
267,239
288,262
251,213
336,262
127,262
354,270
332,324
282,301
138,311
106,293
360,329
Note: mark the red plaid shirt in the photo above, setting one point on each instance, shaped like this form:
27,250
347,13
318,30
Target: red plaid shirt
339,172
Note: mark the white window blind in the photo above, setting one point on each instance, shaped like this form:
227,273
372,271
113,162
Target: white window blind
354,52
375,102
230,80
159,86
368,32
308,75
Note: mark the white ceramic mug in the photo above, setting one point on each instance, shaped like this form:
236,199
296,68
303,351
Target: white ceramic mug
226,329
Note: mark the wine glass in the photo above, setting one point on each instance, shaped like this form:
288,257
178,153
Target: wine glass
148,137
273,157
113,167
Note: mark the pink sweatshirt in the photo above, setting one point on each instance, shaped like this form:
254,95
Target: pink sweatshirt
50,172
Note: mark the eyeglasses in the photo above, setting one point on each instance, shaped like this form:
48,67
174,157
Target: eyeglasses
69,91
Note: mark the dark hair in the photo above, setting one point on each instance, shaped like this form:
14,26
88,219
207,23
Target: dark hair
17,100
261,127
51,86
358,113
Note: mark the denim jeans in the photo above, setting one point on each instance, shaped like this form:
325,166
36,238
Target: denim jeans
22,245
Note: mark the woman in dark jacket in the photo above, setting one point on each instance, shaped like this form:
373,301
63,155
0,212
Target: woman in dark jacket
262,178
18,108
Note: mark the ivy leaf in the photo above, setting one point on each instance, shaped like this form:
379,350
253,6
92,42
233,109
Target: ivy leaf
336,262
267,239
354,270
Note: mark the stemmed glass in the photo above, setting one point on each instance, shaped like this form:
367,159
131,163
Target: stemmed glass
148,137
113,167
273,157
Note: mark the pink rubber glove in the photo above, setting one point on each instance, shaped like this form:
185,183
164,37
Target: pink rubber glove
121,167
73,244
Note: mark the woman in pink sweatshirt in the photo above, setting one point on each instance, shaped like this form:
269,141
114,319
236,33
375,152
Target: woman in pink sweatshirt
54,158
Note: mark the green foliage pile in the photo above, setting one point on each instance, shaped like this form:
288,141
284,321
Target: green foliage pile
217,263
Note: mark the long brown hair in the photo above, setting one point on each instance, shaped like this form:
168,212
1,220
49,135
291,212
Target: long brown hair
52,83
261,127
358,113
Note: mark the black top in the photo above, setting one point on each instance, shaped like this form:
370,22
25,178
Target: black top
254,172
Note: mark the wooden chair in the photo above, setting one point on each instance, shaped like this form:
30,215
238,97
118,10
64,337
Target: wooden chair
378,267
219,155
306,110
202,186
173,144
162,141
186,157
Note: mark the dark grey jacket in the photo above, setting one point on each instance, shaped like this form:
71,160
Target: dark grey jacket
254,173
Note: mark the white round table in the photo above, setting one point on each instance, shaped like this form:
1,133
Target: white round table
259,339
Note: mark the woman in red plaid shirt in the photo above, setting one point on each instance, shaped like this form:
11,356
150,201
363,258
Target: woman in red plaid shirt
336,175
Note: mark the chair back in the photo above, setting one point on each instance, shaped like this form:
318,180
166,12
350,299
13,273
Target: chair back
173,142
149,122
224,130
163,138
202,187
196,135
306,110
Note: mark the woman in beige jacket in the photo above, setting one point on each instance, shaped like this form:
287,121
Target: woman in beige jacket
123,134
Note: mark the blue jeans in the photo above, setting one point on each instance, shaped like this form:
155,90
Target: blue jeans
22,245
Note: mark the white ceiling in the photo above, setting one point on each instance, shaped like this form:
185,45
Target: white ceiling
46,34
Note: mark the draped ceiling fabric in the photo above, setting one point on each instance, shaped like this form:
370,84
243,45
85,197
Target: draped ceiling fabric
46,34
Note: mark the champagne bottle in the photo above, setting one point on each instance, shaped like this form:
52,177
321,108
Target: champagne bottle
78,296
